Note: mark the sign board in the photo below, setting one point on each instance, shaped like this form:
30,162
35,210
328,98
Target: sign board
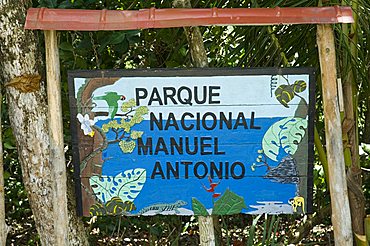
196,141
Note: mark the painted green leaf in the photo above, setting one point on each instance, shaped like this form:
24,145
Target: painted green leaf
229,203
127,146
97,209
126,185
126,106
284,94
136,134
116,206
198,208
111,124
286,134
299,86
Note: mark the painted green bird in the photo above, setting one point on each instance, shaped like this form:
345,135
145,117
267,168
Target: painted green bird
112,99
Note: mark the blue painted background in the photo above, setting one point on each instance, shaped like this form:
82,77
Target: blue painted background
239,145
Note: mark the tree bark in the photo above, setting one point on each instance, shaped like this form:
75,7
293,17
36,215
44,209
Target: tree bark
20,60
195,39
341,217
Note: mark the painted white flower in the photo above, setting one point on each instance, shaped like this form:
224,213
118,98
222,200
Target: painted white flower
86,124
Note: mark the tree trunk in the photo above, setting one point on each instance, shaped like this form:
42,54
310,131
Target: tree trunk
20,66
195,39
354,175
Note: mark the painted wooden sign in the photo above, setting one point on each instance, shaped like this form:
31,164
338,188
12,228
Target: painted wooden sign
210,141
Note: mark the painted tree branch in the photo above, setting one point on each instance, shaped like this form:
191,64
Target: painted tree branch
98,150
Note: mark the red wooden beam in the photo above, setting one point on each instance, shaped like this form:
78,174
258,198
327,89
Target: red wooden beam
93,20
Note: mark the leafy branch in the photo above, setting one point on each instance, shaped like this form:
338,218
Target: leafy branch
122,129
262,159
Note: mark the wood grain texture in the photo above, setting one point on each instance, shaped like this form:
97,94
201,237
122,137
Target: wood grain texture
56,139
341,217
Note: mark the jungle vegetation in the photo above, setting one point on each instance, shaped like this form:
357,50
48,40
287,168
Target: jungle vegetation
226,46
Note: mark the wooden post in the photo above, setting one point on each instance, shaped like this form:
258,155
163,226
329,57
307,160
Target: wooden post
206,231
341,216
57,159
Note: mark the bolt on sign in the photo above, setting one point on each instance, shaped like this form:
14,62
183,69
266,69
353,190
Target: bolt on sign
195,141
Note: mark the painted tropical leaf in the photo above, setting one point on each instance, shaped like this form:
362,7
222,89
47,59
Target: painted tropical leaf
229,203
97,209
284,94
126,185
299,86
136,134
198,208
286,134
116,206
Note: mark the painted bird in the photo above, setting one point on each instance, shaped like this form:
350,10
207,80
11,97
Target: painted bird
112,99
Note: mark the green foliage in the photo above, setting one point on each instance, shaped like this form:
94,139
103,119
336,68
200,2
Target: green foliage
299,86
126,106
114,206
136,134
126,185
127,146
97,209
252,230
198,208
111,124
237,46
287,134
124,134
285,93
229,203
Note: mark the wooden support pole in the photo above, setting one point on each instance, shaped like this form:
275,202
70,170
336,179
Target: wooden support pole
57,159
341,216
206,231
